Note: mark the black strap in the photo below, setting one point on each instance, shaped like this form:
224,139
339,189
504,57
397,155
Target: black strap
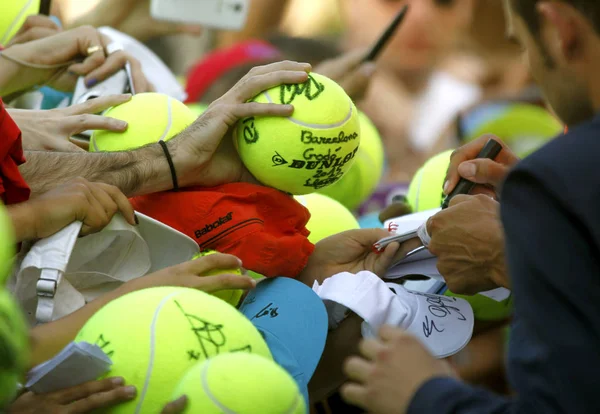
163,144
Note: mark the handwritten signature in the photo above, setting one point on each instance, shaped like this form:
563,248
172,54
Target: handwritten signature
429,327
311,89
269,310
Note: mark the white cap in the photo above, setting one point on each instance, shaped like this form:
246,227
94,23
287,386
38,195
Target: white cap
443,324
63,272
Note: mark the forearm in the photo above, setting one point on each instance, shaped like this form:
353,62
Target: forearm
15,77
21,217
49,339
135,172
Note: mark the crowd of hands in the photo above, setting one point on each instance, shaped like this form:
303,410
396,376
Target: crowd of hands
467,237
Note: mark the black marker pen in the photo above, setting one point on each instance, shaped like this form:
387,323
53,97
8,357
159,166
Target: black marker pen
491,151
386,36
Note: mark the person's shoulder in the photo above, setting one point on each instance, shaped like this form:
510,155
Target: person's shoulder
573,155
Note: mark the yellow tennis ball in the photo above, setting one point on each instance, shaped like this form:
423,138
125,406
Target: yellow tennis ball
311,149
14,347
426,188
487,309
240,383
7,245
327,216
151,117
231,296
357,185
154,335
13,15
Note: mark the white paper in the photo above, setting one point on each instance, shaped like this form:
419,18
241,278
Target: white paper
76,364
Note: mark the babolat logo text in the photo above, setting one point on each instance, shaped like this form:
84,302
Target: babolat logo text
210,227
307,137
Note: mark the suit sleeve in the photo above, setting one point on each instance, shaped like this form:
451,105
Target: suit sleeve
554,350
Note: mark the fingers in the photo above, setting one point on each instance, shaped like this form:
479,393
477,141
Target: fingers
31,35
98,105
370,348
102,400
285,65
261,109
38,21
483,171
389,333
112,64
140,83
63,145
354,394
175,407
357,82
121,201
84,145
251,86
99,211
469,152
78,392
458,199
225,281
73,125
358,369
213,262
86,37
385,259
338,67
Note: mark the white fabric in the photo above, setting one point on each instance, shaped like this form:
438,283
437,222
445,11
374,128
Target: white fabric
437,107
154,69
443,324
61,273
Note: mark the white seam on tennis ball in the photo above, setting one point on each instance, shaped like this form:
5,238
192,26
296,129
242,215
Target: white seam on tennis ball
416,207
169,119
14,22
315,126
295,404
152,349
94,143
206,387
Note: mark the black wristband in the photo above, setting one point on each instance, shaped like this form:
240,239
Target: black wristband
163,144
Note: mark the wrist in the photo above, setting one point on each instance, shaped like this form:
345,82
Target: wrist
14,76
23,217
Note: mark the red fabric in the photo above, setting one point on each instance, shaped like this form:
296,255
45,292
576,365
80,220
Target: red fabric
262,226
13,188
216,64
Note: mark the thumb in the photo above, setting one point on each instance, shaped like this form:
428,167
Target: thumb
483,171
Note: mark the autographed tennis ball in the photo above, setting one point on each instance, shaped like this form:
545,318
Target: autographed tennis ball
13,15
487,309
7,245
14,347
151,117
231,296
153,336
362,178
327,216
240,383
309,150
426,188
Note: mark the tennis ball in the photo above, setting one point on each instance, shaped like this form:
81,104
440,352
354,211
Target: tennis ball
231,296
487,309
13,15
151,117
311,149
361,180
240,383
197,108
7,245
327,216
154,335
14,347
426,188
523,127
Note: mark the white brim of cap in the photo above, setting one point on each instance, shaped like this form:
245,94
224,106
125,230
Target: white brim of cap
167,246
443,324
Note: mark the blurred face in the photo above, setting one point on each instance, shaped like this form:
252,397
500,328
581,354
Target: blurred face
560,79
429,30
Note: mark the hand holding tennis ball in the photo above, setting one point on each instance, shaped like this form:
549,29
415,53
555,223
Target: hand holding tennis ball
201,154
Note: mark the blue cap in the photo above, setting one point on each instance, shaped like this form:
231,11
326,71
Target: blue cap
293,320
